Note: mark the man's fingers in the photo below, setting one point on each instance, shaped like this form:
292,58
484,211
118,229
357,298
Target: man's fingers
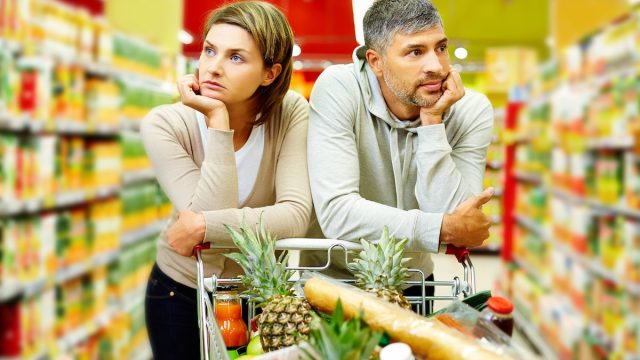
484,197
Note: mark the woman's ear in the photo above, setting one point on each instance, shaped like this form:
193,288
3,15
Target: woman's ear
271,74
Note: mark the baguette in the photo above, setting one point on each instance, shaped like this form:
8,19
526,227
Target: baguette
428,339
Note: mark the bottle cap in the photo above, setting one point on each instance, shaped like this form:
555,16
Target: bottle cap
500,305
396,351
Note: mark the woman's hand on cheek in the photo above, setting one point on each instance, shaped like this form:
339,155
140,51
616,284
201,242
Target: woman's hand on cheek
214,110
186,232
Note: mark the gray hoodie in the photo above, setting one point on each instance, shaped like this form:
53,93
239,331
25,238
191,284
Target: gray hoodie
367,169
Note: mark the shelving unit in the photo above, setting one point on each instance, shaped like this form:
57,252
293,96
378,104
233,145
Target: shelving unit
79,205
573,237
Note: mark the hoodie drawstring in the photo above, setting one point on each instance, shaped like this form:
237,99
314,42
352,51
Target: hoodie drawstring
400,176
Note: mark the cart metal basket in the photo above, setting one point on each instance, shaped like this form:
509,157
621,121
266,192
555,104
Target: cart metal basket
212,346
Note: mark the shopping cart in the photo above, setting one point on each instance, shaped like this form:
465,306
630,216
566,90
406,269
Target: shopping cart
211,343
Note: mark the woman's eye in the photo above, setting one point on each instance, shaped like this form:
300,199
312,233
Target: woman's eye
236,58
209,51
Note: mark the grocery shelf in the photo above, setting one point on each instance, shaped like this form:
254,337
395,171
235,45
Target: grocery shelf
25,123
614,209
26,290
534,337
11,45
130,124
133,299
63,199
595,266
133,177
528,177
531,271
621,143
142,233
82,333
65,274
14,290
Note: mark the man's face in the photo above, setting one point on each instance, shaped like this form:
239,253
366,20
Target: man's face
415,66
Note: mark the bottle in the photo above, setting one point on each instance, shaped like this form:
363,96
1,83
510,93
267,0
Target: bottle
229,315
396,351
498,311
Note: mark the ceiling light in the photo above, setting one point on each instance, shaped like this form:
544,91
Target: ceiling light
461,53
296,50
184,37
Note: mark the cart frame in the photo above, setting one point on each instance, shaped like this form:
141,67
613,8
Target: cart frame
211,343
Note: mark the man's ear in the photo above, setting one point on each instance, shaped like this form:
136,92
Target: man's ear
272,74
375,61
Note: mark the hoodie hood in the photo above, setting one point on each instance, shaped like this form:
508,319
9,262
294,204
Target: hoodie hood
377,106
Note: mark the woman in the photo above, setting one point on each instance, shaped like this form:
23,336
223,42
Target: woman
233,150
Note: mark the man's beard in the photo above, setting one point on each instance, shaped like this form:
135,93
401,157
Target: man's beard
409,93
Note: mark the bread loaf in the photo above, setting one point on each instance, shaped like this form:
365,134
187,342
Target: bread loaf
428,338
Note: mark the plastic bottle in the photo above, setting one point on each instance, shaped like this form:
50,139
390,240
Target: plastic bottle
229,315
498,311
396,351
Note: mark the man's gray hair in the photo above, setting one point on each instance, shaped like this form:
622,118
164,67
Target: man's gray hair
385,18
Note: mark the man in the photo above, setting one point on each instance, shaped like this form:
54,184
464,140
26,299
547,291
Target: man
394,139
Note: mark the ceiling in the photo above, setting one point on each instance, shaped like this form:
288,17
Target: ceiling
324,28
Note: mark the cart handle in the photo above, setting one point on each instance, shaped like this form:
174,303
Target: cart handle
325,244
199,247
458,252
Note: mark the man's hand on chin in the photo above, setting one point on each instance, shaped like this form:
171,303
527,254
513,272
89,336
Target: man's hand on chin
452,91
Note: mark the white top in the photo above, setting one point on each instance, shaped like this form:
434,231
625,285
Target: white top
248,157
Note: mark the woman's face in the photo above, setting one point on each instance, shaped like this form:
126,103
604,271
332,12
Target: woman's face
231,66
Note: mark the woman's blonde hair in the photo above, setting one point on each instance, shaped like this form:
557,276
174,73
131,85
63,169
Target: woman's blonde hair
271,31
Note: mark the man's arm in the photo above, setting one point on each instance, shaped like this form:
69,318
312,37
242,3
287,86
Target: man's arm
335,177
449,175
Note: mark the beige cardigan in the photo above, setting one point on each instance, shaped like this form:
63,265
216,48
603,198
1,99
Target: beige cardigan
206,180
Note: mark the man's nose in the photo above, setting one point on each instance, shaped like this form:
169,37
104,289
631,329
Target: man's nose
432,63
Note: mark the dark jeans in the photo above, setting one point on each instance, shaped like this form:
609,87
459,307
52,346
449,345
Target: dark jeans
172,318
416,291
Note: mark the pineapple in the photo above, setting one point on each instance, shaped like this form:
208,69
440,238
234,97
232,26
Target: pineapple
285,318
338,338
380,269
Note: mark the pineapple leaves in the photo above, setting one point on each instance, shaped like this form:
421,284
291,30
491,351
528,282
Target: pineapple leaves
264,275
340,339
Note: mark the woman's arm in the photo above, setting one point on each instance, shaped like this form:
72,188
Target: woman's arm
289,216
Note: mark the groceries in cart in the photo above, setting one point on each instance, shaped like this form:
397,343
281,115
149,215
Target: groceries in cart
304,314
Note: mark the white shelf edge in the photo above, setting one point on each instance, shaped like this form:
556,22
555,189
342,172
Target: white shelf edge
534,336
